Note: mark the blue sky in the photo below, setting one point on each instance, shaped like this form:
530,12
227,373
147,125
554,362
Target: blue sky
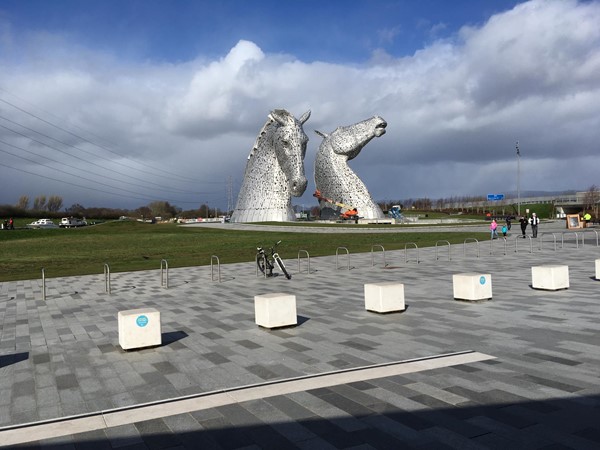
175,31
118,103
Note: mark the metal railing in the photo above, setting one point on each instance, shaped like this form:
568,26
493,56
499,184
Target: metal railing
107,279
577,239
583,236
437,248
264,258
541,238
43,284
337,254
212,275
517,243
307,260
373,254
406,251
465,245
164,273
492,245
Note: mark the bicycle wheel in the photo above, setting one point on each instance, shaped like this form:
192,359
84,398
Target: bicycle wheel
260,262
282,267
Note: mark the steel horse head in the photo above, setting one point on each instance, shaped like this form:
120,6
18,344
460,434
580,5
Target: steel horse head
275,170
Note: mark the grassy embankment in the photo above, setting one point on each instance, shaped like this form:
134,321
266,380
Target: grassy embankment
130,246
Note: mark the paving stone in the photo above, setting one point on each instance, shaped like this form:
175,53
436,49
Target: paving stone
61,356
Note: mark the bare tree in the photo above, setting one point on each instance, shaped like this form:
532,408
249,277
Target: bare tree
144,212
23,202
54,203
162,209
204,210
591,199
76,210
422,203
39,203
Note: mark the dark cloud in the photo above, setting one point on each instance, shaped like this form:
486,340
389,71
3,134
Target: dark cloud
454,111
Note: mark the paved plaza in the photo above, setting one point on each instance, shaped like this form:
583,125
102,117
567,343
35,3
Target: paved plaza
519,371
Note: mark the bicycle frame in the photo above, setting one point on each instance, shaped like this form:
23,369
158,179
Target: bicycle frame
266,261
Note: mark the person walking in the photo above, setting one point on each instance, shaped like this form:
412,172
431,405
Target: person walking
523,222
534,221
508,224
493,227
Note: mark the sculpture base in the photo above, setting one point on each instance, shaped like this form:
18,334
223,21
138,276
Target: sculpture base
263,215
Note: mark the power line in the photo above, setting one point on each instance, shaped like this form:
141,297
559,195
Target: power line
179,176
87,173
77,157
74,184
78,176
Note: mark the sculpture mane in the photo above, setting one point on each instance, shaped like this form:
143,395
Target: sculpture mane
335,180
274,171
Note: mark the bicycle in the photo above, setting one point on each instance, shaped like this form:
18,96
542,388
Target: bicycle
266,260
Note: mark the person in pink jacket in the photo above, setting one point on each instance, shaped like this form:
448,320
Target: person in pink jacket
493,227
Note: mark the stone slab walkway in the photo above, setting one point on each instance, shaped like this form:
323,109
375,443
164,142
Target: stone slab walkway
538,385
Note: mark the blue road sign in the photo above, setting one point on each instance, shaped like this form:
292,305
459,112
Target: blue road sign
495,197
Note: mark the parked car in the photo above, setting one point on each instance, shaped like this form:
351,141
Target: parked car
72,222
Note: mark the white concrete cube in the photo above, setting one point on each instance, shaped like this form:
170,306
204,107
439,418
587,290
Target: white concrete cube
275,310
472,286
139,328
550,277
384,297
598,269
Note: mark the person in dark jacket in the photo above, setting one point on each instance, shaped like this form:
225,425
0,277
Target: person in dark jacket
523,221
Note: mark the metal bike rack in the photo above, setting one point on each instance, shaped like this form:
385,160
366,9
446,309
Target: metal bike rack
562,240
542,240
264,258
406,252
373,255
307,260
164,273
517,243
465,245
216,258
43,284
575,233
436,249
583,236
492,245
107,279
336,256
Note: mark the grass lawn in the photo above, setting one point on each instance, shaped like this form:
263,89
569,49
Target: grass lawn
130,246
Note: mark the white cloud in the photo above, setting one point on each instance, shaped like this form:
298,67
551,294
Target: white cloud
454,108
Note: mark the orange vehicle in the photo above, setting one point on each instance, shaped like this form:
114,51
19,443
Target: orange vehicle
349,213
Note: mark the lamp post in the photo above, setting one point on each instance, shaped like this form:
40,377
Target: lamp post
518,180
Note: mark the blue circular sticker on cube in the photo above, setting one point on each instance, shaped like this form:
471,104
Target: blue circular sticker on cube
482,280
141,321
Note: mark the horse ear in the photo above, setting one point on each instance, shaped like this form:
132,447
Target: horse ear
278,115
304,117
323,135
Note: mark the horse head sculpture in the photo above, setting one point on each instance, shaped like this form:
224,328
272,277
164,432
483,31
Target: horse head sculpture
289,142
335,181
274,171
